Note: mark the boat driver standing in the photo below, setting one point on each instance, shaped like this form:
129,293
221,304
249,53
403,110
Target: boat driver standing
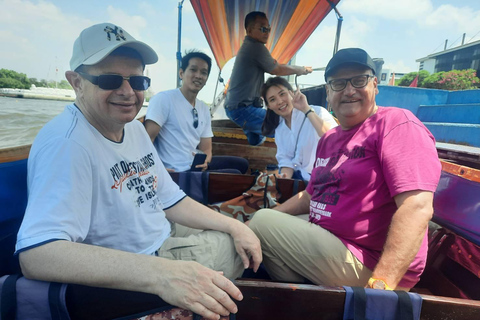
99,197
243,104
369,198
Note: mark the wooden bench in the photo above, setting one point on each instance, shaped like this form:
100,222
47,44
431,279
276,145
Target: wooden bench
453,263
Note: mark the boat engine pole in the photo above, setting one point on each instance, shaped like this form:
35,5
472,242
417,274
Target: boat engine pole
179,41
339,26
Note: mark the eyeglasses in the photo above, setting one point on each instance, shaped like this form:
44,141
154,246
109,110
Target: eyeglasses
195,118
114,81
265,29
357,82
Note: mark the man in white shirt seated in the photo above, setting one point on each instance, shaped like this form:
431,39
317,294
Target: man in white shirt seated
99,197
180,125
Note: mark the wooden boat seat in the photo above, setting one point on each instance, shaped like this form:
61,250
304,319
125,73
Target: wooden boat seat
453,266
226,186
282,301
229,139
453,262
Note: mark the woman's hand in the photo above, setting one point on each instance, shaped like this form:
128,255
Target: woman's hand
300,101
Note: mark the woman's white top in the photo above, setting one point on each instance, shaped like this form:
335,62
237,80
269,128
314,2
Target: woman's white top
303,156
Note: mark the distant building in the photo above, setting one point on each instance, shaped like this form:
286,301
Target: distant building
465,56
386,75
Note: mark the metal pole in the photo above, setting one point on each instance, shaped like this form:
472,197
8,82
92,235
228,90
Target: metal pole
179,42
339,27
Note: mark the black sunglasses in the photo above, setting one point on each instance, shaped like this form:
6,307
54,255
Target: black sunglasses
356,82
265,29
195,118
114,81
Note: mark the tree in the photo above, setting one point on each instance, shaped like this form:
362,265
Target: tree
21,80
432,80
408,78
11,83
64,85
458,80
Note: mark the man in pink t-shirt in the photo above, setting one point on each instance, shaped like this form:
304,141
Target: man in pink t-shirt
370,196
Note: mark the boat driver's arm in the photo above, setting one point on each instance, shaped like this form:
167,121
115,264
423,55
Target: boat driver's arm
285,70
152,129
405,236
185,284
298,204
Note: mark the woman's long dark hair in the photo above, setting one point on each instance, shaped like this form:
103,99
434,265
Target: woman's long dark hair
271,121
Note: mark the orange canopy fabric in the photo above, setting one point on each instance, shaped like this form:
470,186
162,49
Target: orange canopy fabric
292,22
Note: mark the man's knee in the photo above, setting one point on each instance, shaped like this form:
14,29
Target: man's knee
259,219
225,256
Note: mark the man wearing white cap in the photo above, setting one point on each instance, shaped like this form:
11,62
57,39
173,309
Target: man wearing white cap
99,196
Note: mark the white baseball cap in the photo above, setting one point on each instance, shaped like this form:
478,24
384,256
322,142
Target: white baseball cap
96,42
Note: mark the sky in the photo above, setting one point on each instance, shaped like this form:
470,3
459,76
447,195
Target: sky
36,37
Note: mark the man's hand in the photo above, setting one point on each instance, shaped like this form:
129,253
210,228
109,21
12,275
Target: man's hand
247,245
204,166
191,286
303,71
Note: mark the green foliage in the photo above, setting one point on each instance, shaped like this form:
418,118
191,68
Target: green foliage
409,77
432,80
451,80
13,79
64,85
11,83
458,80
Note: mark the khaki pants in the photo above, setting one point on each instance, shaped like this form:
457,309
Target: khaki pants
212,249
294,249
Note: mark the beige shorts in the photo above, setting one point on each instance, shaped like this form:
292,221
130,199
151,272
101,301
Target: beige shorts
212,249
295,249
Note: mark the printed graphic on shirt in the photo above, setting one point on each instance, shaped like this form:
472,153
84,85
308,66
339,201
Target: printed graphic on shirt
136,178
327,179
320,162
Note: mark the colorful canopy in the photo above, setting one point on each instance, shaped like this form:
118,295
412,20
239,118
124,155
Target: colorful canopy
292,22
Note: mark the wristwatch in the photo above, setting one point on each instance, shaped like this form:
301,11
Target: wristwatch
306,113
378,284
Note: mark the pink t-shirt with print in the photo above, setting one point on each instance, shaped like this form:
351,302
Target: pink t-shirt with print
359,171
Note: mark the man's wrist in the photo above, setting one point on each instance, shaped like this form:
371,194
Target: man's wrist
376,283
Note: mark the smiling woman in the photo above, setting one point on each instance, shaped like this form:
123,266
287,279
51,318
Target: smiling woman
298,127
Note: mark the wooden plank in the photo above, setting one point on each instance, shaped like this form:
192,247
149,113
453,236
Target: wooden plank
224,123
224,186
284,301
285,187
461,171
14,154
258,157
271,300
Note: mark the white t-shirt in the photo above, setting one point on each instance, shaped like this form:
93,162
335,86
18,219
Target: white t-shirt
285,138
85,188
178,138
